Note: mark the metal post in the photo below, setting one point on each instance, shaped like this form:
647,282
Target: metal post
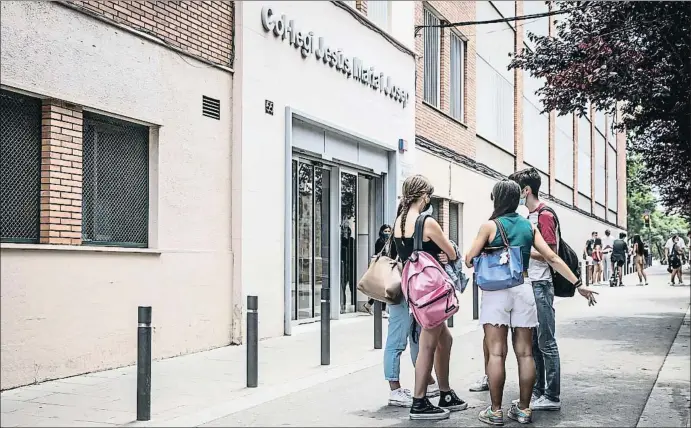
252,341
449,322
587,274
476,308
326,326
377,324
144,363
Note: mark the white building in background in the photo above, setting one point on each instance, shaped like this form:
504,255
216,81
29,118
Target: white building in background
323,132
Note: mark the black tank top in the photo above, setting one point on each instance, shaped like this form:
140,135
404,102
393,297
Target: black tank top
404,247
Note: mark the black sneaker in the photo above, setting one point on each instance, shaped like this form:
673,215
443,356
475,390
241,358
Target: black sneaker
422,409
450,401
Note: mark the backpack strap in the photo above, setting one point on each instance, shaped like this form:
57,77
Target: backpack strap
556,219
419,230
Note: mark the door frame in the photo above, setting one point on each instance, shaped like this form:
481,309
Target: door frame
390,183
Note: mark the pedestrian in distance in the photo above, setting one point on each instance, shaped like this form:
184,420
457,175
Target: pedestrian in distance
512,308
619,251
607,268
639,259
435,343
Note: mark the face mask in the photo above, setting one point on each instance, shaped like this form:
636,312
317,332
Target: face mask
522,200
386,235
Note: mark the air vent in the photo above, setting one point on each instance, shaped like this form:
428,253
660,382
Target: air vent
211,107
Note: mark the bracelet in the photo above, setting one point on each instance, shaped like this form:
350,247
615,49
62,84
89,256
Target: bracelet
578,283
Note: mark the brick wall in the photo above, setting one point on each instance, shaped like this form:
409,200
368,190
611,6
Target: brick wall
203,29
436,124
361,5
518,93
61,173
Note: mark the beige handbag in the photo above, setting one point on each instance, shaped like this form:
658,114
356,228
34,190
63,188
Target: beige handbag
382,281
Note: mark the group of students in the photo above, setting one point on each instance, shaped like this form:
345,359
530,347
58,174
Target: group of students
606,258
527,309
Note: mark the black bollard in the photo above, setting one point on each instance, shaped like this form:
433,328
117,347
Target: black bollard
377,324
587,274
326,326
252,341
449,322
144,363
476,298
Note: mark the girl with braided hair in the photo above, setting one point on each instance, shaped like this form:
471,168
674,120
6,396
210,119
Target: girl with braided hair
434,344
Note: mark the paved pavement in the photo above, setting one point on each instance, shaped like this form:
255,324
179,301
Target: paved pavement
611,356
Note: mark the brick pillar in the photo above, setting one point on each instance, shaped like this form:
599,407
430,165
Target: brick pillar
518,94
607,171
591,116
361,5
445,71
575,159
444,216
61,173
552,129
622,209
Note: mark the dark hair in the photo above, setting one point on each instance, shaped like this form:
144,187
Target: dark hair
622,235
505,194
528,177
607,232
382,229
637,240
593,233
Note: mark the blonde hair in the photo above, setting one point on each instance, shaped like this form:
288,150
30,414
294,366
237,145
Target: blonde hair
414,188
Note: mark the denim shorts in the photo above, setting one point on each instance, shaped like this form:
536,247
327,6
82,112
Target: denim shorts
513,307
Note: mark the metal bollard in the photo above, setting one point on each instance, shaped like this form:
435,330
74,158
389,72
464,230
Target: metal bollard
252,341
587,274
377,324
144,363
326,326
449,322
476,291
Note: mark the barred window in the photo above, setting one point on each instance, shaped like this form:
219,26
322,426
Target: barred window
436,209
20,167
454,223
431,58
116,182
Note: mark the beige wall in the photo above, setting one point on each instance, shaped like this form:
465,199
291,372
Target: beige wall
72,309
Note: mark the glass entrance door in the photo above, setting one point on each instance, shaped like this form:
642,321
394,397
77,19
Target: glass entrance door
310,237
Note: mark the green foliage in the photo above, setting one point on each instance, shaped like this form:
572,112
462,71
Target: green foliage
640,199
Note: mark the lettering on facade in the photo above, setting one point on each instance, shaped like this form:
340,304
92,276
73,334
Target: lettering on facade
351,67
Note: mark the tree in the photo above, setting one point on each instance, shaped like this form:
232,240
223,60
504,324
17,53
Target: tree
640,199
631,56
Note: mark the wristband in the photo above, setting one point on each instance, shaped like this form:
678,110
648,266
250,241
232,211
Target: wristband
578,283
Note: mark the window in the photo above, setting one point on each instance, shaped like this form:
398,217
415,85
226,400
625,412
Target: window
612,190
20,167
378,12
115,205
600,174
563,147
454,223
584,161
457,76
436,209
432,42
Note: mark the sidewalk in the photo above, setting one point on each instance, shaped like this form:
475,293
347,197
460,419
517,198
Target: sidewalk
669,401
198,388
627,336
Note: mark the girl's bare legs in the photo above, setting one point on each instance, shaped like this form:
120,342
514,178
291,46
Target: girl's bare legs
423,366
442,356
523,348
495,336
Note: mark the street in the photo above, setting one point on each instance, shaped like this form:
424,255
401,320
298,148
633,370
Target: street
611,355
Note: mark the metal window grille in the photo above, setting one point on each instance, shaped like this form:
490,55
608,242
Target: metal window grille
457,84
431,54
116,182
436,210
20,167
454,220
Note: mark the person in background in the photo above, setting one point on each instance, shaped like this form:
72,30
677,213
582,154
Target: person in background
674,258
588,256
639,259
607,267
619,251
384,235
597,260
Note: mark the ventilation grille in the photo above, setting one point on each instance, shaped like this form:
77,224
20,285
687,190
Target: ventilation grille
211,107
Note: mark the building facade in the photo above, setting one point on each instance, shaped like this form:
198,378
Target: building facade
116,182
324,130
477,122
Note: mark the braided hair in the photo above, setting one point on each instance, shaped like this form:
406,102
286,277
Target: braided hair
414,188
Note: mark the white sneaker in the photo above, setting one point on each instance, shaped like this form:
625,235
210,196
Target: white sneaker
533,399
433,390
400,398
480,385
544,403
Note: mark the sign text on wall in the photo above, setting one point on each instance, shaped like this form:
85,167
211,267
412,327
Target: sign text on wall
351,67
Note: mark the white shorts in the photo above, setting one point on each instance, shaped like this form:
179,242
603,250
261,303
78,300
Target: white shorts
513,307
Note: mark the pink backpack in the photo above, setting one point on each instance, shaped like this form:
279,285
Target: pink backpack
426,286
